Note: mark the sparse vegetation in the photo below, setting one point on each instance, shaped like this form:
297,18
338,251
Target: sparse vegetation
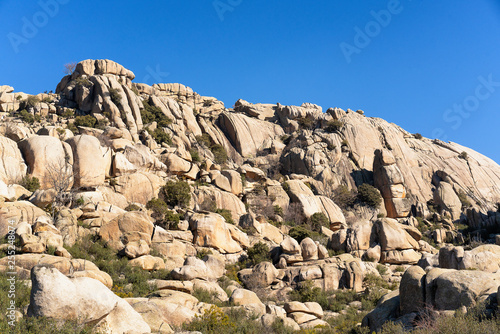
334,125
369,195
132,207
417,136
226,214
195,156
26,117
162,215
116,96
463,155
133,279
220,154
463,199
176,193
85,121
204,140
305,123
344,197
31,183
151,114
258,253
317,220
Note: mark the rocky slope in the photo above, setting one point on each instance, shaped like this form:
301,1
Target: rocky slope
188,190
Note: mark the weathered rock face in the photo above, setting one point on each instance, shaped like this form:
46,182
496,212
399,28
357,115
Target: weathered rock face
12,166
128,227
86,300
89,162
47,158
210,230
447,200
247,134
389,180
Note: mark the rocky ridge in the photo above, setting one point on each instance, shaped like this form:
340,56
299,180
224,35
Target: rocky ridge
255,176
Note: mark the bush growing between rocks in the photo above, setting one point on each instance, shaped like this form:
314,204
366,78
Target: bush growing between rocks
30,183
31,101
26,117
369,195
226,214
134,280
160,136
317,220
334,125
195,156
344,197
86,121
176,193
115,96
151,114
204,140
258,253
463,199
132,207
220,154
161,214
305,123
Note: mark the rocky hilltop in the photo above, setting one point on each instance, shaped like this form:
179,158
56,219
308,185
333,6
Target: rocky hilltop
164,203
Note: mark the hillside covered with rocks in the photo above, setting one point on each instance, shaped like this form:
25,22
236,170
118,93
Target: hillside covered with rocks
129,208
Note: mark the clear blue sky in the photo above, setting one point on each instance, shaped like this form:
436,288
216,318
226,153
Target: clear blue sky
425,67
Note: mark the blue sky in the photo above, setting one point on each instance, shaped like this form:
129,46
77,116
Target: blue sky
431,67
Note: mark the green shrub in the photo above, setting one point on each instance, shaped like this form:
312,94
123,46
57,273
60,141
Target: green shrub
176,193
220,154
369,195
162,215
151,114
205,296
160,136
30,183
226,214
258,253
463,155
344,197
116,96
334,125
344,143
81,81
67,113
26,117
417,136
132,207
80,201
133,279
299,233
382,270
463,199
317,220
195,156
278,210
201,253
31,101
285,186
305,123
213,321
86,121
204,140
